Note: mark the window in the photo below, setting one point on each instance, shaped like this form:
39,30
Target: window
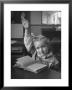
51,17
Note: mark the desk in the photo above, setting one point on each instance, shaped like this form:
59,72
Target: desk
18,73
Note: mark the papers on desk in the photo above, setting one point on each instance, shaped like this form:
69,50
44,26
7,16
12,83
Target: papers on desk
36,67
27,63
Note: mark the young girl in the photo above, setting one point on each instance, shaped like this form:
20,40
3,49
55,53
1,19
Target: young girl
38,46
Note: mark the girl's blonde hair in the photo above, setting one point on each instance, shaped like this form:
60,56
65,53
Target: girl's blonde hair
42,38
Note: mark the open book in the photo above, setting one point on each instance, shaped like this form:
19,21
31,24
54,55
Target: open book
29,64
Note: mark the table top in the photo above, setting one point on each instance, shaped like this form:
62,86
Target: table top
18,73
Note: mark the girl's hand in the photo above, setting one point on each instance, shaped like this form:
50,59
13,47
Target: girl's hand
25,22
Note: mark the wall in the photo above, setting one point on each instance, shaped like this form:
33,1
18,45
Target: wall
35,19
36,25
16,31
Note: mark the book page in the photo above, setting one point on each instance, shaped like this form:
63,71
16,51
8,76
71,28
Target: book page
36,67
25,61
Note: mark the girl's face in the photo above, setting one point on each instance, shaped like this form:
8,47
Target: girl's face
41,48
